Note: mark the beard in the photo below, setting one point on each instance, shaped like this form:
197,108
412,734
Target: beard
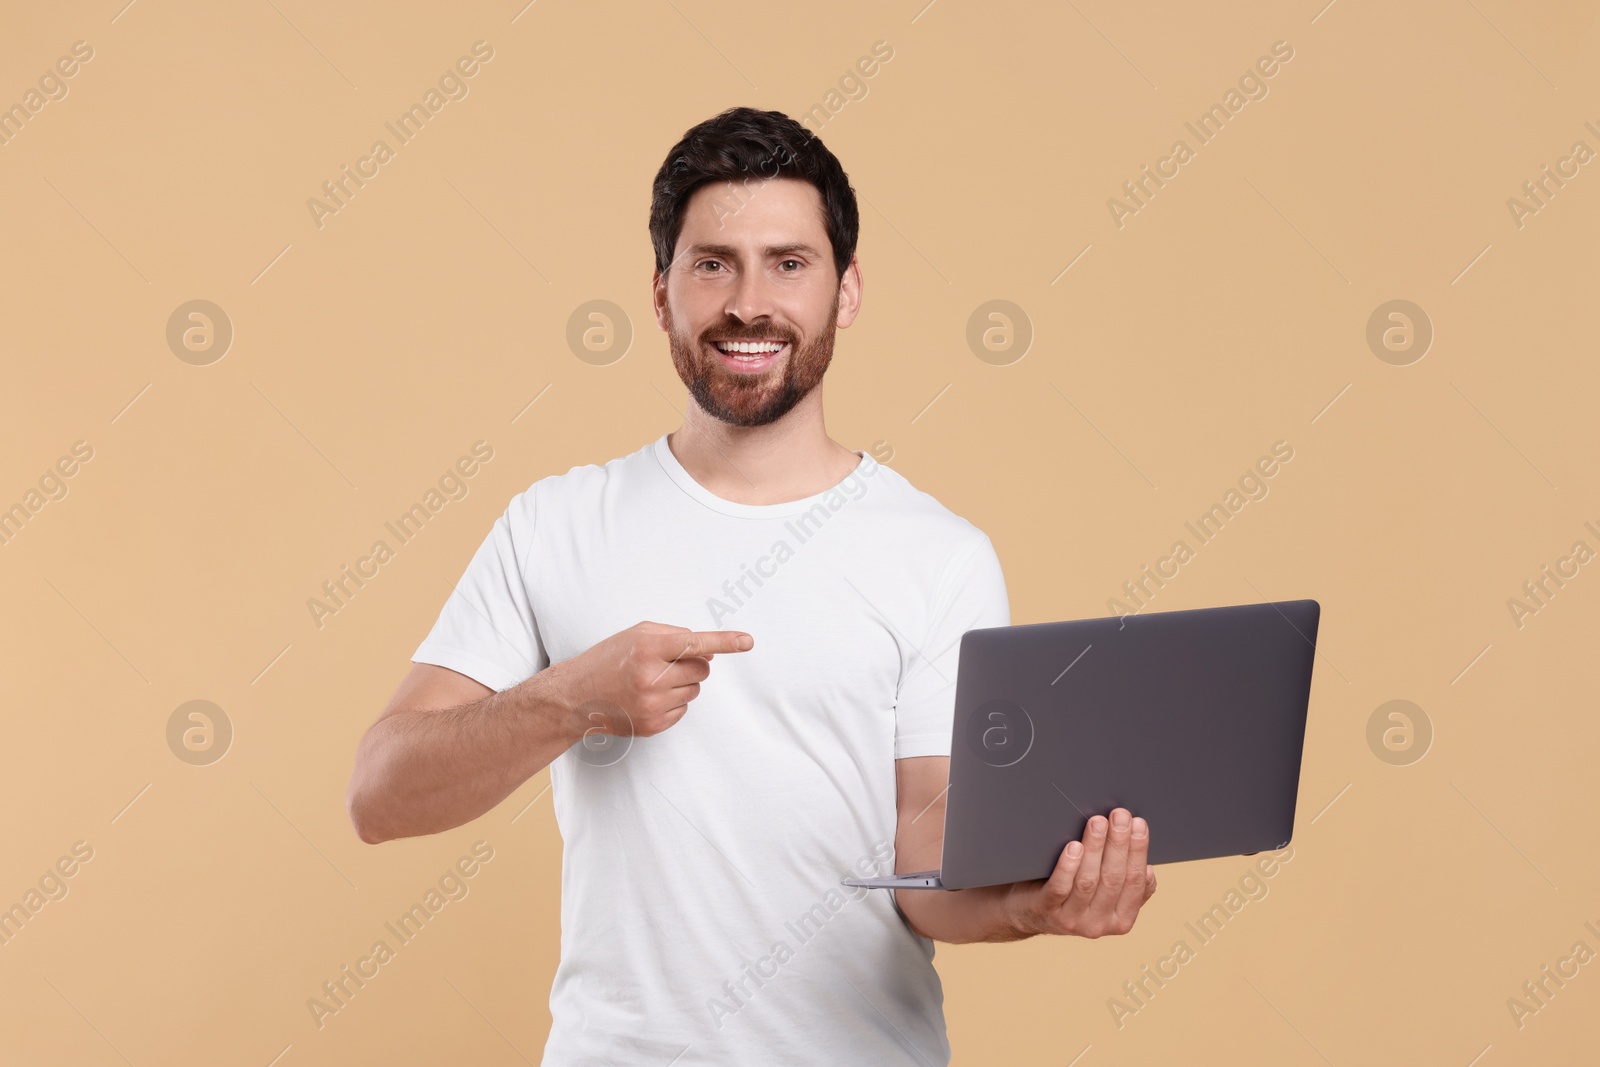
742,399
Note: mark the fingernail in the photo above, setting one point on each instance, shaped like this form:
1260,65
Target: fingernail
1073,848
1120,819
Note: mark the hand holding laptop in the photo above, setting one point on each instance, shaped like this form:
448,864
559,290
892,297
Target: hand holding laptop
1196,717
1098,885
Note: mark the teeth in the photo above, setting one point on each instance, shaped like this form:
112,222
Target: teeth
749,347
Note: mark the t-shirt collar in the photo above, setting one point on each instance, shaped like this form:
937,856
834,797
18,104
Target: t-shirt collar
685,481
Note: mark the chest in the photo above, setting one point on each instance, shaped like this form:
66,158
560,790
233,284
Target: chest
833,620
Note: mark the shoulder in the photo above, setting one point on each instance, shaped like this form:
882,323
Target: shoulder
921,515
917,527
580,484
580,490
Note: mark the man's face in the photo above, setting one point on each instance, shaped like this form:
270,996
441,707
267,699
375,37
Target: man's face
753,266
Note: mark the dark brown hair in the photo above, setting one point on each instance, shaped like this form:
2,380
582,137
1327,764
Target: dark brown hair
746,145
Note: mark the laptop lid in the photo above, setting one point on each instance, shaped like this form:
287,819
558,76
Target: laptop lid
1193,720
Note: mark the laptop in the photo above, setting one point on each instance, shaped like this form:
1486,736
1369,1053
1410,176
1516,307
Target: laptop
1193,720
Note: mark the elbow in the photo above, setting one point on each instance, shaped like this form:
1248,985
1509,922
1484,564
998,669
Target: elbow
367,832
361,820
359,806
364,801
910,914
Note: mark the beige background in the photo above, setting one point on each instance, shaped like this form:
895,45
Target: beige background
1229,313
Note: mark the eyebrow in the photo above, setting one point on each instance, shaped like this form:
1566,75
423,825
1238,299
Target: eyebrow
729,252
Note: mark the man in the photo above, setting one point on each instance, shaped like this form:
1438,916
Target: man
708,820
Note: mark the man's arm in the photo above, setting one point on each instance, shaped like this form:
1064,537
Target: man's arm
1097,887
449,748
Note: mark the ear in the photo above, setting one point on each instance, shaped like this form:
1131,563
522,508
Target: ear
658,298
849,294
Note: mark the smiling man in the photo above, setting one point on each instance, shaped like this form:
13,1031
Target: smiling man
709,813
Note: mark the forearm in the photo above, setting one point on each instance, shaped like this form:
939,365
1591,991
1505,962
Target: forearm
422,772
987,913
1097,887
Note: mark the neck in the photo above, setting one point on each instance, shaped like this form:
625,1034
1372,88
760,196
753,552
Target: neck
789,459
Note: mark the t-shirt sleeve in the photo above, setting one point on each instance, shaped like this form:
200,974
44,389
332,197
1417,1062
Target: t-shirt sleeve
486,629
971,595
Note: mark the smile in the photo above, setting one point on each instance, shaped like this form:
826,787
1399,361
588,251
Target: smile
750,356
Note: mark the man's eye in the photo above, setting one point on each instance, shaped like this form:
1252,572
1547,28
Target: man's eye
796,262
710,263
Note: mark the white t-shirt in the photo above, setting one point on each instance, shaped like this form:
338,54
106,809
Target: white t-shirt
702,919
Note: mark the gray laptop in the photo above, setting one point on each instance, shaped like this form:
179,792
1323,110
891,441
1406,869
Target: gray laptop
1192,720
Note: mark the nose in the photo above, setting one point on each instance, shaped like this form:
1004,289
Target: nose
751,298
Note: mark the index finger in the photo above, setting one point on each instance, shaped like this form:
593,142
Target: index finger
708,642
